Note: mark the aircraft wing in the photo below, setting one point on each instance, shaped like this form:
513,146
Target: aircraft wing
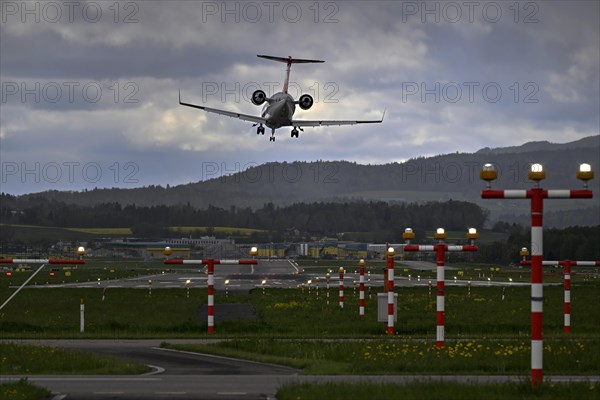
302,123
244,117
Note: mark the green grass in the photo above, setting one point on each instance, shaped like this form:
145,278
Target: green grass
124,313
398,356
294,313
438,390
33,233
22,390
25,359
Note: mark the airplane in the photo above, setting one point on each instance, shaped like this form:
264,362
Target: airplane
279,108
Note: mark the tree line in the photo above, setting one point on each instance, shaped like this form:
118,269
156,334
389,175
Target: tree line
317,218
362,221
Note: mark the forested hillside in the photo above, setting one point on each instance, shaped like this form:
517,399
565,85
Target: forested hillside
444,177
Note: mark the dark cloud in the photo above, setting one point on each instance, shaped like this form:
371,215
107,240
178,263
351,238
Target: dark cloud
377,54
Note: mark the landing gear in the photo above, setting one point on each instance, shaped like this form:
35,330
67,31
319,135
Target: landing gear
295,132
260,130
272,139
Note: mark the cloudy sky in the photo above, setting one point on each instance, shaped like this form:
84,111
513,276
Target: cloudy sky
89,89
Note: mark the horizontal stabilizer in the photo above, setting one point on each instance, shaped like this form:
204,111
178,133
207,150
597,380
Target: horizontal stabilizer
289,60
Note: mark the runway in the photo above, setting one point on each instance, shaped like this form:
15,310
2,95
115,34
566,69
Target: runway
267,273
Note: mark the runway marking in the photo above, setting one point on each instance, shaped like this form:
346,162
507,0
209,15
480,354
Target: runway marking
292,264
232,393
59,397
170,393
219,357
157,370
109,393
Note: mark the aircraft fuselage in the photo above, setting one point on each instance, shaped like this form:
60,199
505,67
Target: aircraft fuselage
279,110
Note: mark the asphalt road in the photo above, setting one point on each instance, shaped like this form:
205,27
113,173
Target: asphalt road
175,374
183,375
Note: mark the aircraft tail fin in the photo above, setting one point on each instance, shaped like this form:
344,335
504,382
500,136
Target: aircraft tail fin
289,61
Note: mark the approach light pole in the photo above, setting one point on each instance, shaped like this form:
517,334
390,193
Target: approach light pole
361,288
390,253
566,264
537,196
440,250
341,288
210,265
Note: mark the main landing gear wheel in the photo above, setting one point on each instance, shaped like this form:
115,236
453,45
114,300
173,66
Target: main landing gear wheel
295,132
272,139
260,130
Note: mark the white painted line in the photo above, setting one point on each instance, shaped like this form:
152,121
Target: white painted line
157,370
59,397
232,393
292,264
193,353
102,393
170,393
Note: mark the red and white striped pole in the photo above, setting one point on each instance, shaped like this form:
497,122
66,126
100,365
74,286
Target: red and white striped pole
440,255
536,196
566,264
440,250
361,288
567,290
210,265
390,290
567,272
341,301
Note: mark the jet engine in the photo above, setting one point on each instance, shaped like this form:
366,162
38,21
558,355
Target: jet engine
258,97
305,101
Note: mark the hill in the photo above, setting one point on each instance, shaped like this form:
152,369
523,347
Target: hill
439,178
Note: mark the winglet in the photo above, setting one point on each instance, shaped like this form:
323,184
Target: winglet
179,96
383,116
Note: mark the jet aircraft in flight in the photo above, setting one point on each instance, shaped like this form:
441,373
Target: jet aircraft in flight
279,108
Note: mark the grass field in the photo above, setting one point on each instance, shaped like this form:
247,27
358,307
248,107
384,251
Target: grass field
22,390
294,313
24,360
398,356
48,233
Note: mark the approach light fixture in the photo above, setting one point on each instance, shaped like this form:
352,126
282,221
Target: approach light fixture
536,172
440,234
